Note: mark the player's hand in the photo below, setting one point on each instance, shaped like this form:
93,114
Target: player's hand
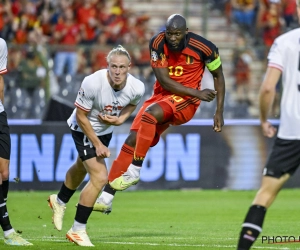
267,129
102,151
218,121
207,95
109,119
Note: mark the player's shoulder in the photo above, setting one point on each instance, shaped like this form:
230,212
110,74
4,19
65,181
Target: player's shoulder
193,37
200,44
96,75
2,44
288,36
158,40
136,84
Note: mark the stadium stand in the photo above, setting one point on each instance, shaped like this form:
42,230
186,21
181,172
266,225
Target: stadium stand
129,22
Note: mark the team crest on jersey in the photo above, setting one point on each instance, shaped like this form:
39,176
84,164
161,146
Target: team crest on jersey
154,56
113,109
163,59
81,92
189,59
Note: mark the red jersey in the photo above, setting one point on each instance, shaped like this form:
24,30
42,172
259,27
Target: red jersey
187,66
70,38
83,17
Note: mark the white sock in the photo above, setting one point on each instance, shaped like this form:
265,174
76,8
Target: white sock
60,202
107,197
8,232
78,226
134,170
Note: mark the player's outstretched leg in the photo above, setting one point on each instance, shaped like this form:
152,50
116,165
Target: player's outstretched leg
127,179
144,140
58,211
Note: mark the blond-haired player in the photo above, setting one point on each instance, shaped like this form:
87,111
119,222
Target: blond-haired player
106,99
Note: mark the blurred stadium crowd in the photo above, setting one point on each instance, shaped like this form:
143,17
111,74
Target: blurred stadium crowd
53,44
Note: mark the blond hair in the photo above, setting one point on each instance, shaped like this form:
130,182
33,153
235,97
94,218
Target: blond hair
119,50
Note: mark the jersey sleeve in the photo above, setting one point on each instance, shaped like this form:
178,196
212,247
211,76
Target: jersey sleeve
85,96
157,53
140,91
275,56
3,57
211,56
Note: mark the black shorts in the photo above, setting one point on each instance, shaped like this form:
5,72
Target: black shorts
5,143
284,158
84,147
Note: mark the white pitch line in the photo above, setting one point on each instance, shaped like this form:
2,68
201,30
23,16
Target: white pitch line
61,239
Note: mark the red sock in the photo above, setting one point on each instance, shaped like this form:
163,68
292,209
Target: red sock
122,162
145,136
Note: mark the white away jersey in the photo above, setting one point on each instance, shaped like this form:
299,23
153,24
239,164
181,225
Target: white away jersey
285,55
96,96
3,63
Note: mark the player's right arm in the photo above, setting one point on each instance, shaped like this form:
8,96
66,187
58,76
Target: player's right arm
87,129
84,103
162,76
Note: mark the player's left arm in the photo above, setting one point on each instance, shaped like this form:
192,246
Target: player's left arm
219,84
214,65
118,120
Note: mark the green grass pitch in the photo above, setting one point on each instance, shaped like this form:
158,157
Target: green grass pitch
164,220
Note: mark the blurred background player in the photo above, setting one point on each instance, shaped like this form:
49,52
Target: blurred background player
285,156
10,236
178,59
106,99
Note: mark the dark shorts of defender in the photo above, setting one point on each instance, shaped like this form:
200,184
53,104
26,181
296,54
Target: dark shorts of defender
84,147
284,158
5,143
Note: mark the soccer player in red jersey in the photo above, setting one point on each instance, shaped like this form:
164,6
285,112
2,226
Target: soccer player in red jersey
178,59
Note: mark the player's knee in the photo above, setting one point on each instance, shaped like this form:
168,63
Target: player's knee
99,180
156,111
131,139
77,169
152,112
103,179
4,174
162,112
